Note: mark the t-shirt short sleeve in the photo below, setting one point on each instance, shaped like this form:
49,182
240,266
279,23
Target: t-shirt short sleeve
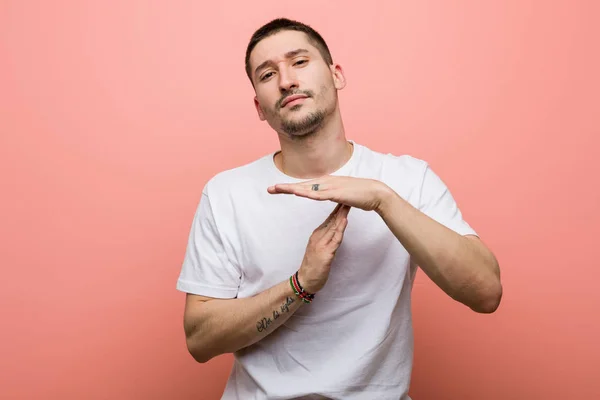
206,269
436,201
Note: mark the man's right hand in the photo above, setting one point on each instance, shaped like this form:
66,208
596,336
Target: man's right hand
217,326
321,249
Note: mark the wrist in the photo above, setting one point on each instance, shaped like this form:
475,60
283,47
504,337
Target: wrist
305,282
299,290
386,197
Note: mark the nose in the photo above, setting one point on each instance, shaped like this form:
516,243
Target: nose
287,80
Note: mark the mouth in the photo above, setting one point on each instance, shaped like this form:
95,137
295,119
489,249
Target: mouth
293,99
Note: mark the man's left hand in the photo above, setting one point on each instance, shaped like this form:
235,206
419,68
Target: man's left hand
366,194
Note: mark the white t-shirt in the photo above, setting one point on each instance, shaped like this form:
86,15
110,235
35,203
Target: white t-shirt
355,340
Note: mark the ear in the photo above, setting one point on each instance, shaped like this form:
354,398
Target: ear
261,114
339,80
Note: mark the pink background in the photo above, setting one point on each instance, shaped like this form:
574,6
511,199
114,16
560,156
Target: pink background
114,114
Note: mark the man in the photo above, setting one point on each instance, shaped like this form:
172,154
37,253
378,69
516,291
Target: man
301,263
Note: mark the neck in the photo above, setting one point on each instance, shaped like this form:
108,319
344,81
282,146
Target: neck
320,153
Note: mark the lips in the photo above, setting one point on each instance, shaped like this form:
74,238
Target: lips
289,99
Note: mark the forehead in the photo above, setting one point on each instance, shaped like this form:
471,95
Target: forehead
276,46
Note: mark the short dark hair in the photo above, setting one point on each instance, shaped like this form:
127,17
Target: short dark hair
282,24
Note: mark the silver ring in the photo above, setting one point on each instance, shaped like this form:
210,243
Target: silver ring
315,187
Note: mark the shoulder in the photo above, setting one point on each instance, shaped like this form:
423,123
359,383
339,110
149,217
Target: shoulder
396,166
235,184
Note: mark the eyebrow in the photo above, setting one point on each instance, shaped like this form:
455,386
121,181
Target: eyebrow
289,54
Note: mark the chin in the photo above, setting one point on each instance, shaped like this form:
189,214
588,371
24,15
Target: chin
295,112
301,134
301,121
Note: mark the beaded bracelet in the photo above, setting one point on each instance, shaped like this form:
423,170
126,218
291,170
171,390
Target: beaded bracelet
300,292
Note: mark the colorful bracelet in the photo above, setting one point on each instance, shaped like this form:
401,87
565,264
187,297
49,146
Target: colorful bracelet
300,292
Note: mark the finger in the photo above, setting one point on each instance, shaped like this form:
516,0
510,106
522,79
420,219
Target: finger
328,235
336,235
277,189
309,189
288,187
336,210
344,211
341,212
341,222
335,223
330,223
309,193
331,217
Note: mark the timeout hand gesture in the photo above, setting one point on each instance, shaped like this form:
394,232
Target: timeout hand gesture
321,249
366,194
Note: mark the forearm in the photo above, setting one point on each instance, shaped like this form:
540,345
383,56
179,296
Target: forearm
225,326
465,270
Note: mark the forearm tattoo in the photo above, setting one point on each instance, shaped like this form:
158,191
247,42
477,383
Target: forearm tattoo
263,324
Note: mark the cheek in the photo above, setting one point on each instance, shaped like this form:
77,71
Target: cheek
269,111
267,104
324,95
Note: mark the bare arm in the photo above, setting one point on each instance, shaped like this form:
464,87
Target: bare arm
217,326
460,265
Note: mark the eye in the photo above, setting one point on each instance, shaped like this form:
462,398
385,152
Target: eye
266,76
300,62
